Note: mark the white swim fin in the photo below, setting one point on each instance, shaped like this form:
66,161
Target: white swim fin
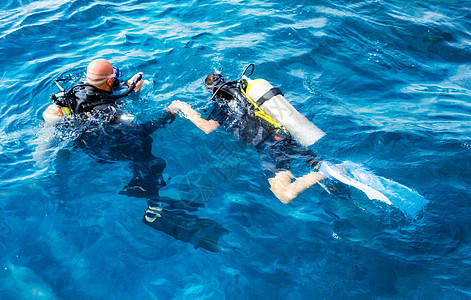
332,172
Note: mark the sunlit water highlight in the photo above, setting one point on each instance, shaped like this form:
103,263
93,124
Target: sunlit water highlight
388,81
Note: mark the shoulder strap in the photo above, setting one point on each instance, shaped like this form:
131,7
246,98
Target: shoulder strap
268,95
259,112
93,97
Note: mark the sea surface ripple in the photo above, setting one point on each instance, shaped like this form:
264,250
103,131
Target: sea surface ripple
388,81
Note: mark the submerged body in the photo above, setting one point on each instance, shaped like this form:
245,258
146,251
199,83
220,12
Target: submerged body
238,113
276,147
105,132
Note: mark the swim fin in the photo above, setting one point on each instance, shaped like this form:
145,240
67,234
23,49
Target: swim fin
332,172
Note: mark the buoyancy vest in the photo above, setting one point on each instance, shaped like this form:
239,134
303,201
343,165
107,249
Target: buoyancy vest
84,98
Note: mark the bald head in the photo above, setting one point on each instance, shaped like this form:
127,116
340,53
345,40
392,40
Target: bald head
100,73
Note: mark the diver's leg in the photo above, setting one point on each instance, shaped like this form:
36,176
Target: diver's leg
151,126
292,148
286,191
204,233
276,156
136,147
147,179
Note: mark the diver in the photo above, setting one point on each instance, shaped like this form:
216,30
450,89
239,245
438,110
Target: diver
241,107
92,95
108,134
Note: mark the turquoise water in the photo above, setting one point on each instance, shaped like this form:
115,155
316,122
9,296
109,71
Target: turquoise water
388,81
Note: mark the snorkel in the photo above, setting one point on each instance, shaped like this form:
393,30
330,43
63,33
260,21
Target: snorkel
129,90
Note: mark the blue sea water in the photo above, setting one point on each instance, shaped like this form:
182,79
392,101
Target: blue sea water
388,81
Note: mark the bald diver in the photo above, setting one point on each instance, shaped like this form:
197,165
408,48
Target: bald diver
108,134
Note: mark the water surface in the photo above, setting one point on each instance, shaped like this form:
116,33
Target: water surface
388,81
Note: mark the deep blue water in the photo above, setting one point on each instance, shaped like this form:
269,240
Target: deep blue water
388,81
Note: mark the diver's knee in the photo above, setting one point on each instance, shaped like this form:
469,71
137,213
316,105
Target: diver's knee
282,191
286,196
158,162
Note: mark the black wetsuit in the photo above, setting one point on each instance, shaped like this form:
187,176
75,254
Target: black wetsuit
85,98
109,137
276,148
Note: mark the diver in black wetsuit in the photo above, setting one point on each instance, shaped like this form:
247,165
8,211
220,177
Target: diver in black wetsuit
276,148
111,136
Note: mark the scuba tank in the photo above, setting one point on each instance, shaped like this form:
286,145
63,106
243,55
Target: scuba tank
271,100
54,113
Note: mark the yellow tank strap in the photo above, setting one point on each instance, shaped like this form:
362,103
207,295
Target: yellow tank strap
259,112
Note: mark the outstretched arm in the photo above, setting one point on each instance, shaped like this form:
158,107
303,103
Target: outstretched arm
205,125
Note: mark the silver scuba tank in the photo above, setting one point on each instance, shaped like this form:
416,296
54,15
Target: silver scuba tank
272,102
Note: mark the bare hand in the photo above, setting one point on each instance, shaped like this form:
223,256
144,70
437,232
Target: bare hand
177,106
139,83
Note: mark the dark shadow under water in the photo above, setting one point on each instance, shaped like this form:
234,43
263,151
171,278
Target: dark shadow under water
110,142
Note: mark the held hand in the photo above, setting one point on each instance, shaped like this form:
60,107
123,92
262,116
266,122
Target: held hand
139,83
177,106
192,115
